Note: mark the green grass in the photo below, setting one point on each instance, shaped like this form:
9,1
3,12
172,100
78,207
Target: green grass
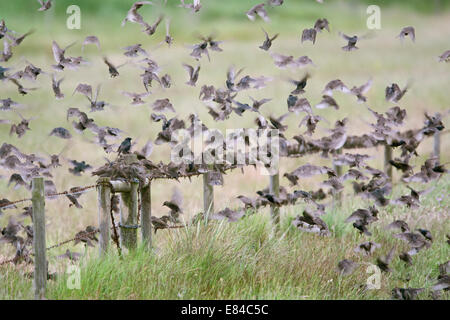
246,260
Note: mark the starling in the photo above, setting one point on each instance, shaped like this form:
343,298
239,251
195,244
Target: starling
125,146
268,41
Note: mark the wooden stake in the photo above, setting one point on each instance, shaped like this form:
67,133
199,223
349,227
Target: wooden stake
146,215
128,217
208,196
104,213
437,145
274,188
387,158
338,170
40,261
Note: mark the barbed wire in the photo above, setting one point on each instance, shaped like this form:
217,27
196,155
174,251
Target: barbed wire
84,189
84,235
79,190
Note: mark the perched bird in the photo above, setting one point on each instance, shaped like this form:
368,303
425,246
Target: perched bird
160,223
87,236
73,198
175,205
125,146
248,203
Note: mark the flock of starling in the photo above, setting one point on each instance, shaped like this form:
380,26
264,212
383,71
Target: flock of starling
369,183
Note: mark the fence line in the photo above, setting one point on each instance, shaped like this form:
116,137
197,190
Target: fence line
130,208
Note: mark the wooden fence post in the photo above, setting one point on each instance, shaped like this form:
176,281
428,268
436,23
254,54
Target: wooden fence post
274,188
128,216
104,213
387,158
146,215
437,145
208,196
39,245
338,170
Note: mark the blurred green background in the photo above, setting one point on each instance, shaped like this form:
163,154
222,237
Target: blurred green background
221,13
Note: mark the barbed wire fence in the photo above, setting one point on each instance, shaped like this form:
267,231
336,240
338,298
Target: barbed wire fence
136,210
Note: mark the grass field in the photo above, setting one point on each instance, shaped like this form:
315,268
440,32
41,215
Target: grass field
236,260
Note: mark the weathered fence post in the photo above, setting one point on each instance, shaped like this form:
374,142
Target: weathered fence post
274,188
146,214
104,213
40,261
338,170
208,196
387,158
437,145
128,217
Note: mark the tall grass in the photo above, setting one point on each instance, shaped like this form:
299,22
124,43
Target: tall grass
246,260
